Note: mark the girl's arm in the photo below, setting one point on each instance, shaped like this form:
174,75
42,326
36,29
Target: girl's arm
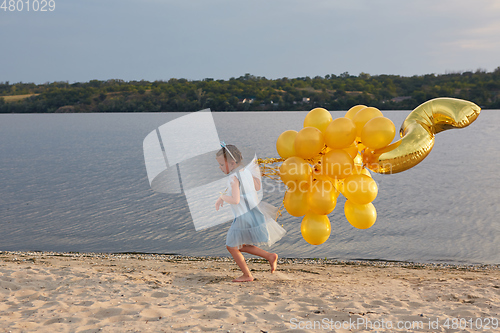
234,199
256,183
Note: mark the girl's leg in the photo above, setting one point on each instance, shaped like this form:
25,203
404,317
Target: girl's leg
271,257
240,260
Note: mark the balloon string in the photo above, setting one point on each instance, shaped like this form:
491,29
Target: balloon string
271,171
282,207
268,170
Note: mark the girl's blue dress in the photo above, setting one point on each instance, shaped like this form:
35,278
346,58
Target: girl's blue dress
254,222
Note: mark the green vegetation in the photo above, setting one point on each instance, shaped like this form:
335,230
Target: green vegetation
251,93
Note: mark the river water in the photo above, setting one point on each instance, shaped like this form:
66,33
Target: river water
78,182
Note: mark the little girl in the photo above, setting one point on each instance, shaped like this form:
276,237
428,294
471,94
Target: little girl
253,222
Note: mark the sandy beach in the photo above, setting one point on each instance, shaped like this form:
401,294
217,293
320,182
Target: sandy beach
88,292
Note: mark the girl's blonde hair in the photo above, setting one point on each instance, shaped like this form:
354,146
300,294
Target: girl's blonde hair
234,152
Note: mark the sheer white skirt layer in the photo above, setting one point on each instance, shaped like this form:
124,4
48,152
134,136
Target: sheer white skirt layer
256,227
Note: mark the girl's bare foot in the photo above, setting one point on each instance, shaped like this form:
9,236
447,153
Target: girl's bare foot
244,278
273,261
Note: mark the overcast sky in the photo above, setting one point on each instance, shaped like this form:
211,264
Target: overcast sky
194,39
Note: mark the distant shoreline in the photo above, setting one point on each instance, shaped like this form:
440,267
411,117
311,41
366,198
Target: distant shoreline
251,93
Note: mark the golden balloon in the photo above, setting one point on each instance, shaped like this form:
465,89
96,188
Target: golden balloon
363,116
418,134
309,142
295,169
378,132
340,133
360,189
295,202
360,216
358,159
339,185
322,197
315,228
318,173
318,118
285,145
359,169
352,111
352,151
337,164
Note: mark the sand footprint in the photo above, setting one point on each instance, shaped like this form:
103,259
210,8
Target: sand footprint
153,314
6,285
159,294
24,294
102,313
221,314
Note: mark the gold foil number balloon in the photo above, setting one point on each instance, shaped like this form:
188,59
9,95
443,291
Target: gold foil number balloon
315,228
418,134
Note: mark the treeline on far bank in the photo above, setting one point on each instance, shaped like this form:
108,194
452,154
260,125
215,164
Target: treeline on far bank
251,93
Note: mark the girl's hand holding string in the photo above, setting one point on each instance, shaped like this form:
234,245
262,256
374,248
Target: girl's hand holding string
234,199
219,203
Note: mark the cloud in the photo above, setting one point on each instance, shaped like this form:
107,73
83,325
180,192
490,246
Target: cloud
161,39
484,38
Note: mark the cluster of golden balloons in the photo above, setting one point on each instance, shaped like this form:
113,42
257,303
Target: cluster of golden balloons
324,159
332,156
